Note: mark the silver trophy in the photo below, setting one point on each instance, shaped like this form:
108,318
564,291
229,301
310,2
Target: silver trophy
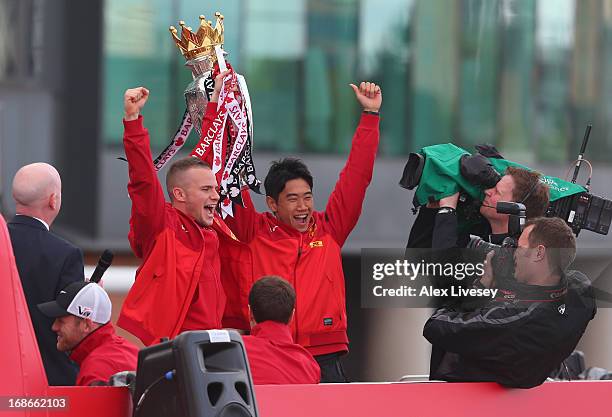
202,50
197,93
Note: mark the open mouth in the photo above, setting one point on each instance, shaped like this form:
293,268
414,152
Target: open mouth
301,219
210,209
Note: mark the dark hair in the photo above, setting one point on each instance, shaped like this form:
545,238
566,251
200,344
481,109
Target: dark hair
557,238
282,171
272,298
180,166
529,190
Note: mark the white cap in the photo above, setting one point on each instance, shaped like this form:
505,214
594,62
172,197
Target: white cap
82,299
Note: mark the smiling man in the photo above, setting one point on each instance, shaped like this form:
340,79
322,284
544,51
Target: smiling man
303,246
178,285
82,313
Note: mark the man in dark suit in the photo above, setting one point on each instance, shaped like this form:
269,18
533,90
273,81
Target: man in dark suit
46,262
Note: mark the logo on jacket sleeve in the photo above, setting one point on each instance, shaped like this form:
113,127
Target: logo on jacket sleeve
316,244
328,321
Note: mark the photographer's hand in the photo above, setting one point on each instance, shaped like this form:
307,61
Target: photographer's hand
487,279
450,201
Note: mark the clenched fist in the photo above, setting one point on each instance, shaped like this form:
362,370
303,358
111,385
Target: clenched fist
134,100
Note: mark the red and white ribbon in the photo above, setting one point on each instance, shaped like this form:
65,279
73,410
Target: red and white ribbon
177,142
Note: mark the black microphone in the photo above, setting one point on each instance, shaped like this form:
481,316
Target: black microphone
103,263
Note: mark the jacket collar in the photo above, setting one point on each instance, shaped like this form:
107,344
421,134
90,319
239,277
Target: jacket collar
91,342
517,292
29,221
272,330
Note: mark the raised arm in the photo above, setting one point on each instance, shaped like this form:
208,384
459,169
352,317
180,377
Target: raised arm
145,191
345,202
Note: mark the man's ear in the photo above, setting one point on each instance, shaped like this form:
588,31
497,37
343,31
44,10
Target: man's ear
272,204
178,194
291,317
252,321
88,325
53,200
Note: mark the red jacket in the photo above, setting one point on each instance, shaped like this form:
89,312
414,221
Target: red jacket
275,359
178,285
310,261
102,354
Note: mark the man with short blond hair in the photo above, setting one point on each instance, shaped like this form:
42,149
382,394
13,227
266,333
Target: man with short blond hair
178,286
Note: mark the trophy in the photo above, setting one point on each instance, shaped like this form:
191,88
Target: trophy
199,51
227,143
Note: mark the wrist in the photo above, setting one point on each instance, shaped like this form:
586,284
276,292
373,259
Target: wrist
371,111
130,116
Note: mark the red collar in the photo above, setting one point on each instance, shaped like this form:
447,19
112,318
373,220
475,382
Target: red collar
92,341
272,330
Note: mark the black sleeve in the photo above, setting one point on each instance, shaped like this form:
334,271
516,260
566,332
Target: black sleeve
422,229
482,333
72,270
445,231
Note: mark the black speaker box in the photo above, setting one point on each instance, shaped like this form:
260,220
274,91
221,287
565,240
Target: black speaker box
198,374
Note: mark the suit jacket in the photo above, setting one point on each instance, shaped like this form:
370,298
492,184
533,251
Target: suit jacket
46,264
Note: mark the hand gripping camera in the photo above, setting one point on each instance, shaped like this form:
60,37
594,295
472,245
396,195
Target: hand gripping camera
503,259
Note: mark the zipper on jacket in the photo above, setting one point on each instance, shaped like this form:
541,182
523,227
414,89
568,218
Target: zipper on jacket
295,314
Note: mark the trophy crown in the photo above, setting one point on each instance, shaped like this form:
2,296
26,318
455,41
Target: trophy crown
201,43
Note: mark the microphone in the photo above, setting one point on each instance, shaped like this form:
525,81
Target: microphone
103,263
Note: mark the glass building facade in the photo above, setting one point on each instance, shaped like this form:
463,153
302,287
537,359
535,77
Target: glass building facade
524,75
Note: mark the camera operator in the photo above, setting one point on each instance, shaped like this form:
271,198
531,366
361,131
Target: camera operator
525,333
436,225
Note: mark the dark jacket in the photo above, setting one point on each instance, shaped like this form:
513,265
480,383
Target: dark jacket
46,264
517,339
442,231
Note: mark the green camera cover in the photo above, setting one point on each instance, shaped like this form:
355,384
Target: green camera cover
441,176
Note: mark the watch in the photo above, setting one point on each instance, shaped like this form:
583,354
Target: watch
446,210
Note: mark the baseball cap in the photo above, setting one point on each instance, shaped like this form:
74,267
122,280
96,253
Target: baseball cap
82,299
